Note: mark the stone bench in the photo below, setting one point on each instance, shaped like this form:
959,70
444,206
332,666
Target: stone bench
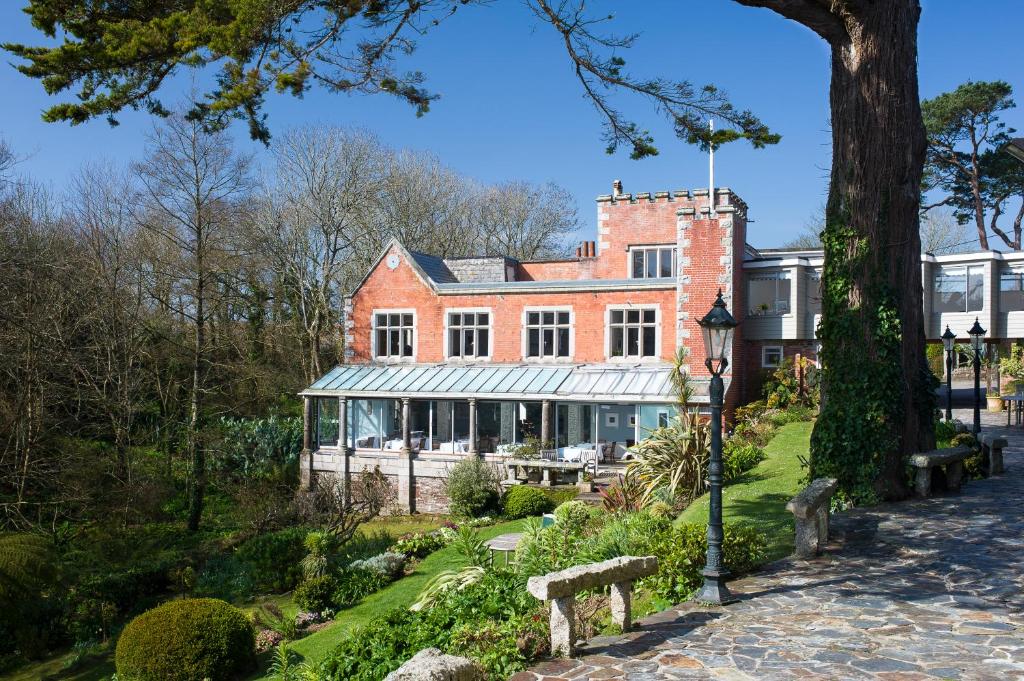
952,459
561,588
546,468
811,509
992,450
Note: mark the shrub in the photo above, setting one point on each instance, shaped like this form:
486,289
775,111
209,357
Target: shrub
200,638
316,594
673,458
370,652
944,432
739,457
681,557
422,544
577,513
353,586
274,559
661,509
387,564
522,501
259,448
472,488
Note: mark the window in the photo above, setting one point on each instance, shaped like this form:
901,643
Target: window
633,333
959,289
771,356
393,332
663,419
1011,290
547,333
469,334
327,421
814,292
653,263
769,293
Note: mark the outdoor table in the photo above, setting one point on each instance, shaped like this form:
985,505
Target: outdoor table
1014,405
577,452
504,543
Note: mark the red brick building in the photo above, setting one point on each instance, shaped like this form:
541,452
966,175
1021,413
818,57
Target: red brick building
477,355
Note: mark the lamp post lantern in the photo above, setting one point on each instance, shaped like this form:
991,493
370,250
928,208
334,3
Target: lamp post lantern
717,327
948,339
977,335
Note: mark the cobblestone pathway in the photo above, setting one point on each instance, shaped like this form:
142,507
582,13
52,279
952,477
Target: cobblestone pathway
917,590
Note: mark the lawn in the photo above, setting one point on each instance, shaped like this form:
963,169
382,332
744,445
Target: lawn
402,593
759,497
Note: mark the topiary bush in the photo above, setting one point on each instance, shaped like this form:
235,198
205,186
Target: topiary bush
198,638
522,501
472,488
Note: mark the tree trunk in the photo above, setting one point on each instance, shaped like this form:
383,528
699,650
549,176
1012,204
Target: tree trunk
878,395
196,452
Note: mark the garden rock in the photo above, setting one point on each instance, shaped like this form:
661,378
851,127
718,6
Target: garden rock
430,664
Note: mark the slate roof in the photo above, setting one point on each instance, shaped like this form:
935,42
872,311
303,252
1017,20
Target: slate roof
434,268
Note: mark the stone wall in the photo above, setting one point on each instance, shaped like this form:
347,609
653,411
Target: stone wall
481,269
419,481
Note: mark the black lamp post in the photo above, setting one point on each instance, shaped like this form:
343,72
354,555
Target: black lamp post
717,326
948,339
977,335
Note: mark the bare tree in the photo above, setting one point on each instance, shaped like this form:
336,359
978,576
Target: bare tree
525,221
942,234
313,219
191,183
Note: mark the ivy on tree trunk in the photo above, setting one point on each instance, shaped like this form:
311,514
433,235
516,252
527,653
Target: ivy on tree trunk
878,397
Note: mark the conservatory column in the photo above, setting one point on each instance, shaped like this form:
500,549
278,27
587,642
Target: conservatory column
306,458
545,423
472,426
406,464
343,449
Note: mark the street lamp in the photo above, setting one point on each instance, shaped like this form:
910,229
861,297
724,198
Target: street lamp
977,335
717,326
948,339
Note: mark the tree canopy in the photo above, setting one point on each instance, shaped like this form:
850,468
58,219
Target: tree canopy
966,161
118,55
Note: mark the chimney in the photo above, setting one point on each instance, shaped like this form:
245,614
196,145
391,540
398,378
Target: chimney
616,187
579,251
593,249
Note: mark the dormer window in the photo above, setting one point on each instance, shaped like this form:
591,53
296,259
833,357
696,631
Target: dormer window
393,334
652,262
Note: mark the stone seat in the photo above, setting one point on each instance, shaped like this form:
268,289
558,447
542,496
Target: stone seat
951,459
546,469
811,509
561,588
992,450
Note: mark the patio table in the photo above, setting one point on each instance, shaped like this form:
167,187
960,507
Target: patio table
1014,405
504,543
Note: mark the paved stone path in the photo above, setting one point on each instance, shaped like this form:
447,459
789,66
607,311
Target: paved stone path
930,589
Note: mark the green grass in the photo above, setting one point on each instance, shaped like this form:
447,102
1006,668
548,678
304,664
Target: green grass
402,593
759,497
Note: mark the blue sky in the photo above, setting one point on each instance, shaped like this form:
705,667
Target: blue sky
510,108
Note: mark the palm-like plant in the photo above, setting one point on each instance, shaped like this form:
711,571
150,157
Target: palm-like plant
26,566
672,459
443,581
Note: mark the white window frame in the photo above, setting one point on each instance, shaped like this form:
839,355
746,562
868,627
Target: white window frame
373,334
764,356
526,332
776,276
966,271
647,249
608,332
490,333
